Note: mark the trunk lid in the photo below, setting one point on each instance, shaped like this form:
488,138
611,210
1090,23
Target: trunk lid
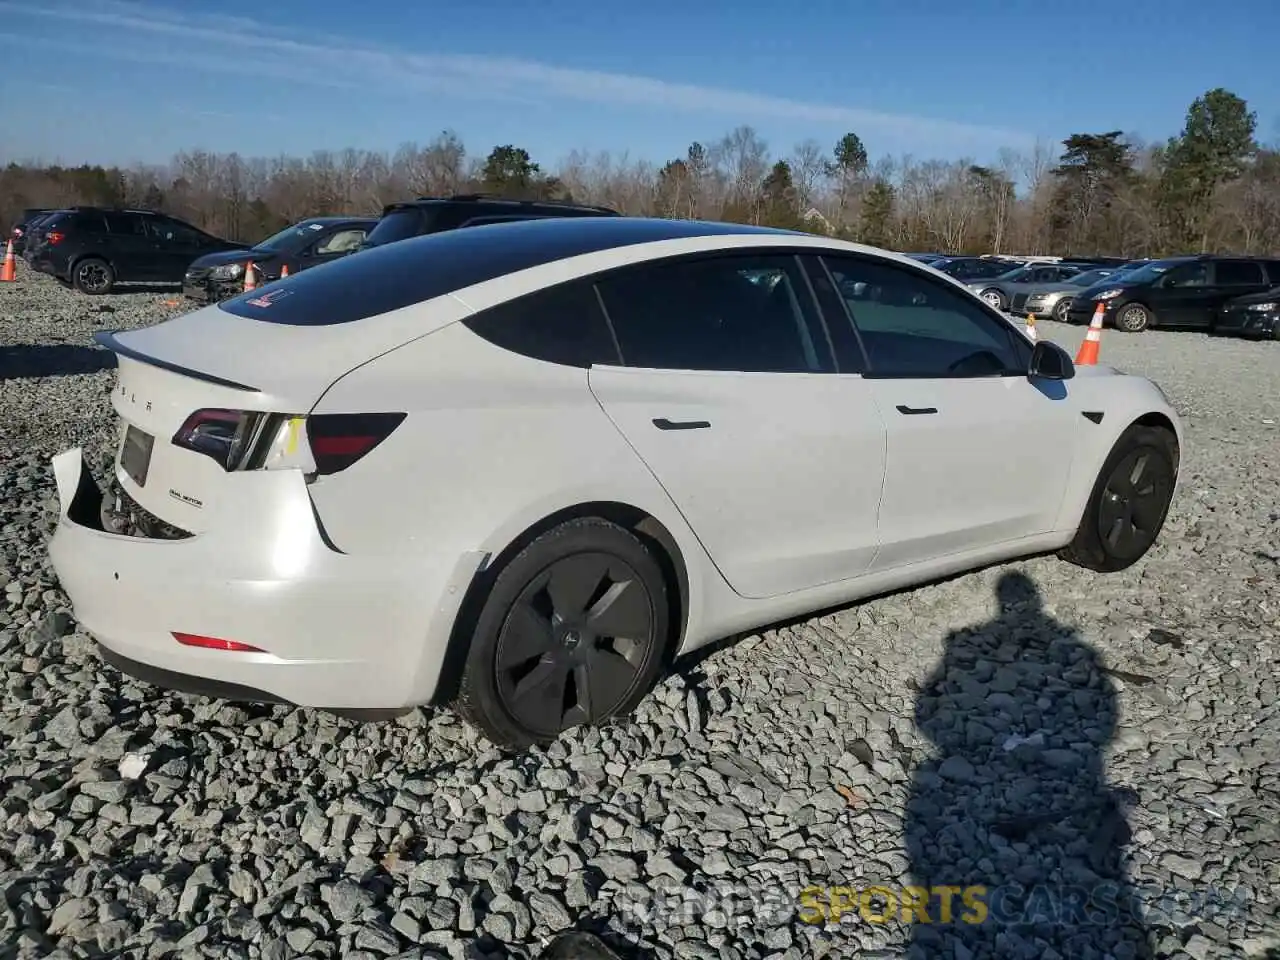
211,359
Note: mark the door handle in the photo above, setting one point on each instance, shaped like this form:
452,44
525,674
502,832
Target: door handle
902,408
662,423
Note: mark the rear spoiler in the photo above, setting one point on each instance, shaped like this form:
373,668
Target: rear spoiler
111,341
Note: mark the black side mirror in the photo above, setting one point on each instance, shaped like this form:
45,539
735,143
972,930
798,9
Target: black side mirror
1050,362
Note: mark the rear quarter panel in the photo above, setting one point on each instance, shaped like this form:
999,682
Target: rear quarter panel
493,444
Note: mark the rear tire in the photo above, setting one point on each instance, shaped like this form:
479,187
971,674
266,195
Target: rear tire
1133,318
573,632
1129,501
93,276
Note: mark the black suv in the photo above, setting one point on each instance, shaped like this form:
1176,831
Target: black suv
308,243
414,218
1179,292
94,248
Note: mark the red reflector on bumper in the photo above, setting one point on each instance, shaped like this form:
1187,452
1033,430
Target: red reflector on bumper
213,643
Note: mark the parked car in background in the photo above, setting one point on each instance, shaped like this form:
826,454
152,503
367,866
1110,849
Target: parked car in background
1254,315
306,244
502,468
1053,300
33,232
1009,290
927,257
94,248
973,268
18,233
1179,292
426,215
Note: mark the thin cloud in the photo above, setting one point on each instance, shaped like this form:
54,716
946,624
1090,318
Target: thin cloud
244,46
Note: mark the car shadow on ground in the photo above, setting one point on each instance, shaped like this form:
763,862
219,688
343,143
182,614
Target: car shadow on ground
29,360
1013,820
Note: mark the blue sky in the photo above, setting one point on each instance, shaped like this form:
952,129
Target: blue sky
110,81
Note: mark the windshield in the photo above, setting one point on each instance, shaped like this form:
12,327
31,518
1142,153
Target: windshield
1149,271
1090,277
1014,275
290,237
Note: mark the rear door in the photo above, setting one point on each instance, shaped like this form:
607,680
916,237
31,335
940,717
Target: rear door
977,454
730,395
131,247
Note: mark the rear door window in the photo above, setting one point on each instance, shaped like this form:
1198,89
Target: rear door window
125,225
1238,273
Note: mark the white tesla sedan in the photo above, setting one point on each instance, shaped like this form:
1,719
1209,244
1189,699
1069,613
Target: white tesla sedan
516,468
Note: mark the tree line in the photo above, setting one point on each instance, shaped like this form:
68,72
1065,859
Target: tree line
1210,188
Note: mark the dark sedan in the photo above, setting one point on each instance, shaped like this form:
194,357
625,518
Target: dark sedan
1256,316
301,246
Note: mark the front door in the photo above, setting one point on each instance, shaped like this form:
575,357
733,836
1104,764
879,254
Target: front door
1185,296
730,395
978,455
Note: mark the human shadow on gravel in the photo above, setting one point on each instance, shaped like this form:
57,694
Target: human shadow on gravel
1015,816
30,360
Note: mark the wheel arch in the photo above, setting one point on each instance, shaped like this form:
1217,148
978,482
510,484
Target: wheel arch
1152,319
89,255
651,531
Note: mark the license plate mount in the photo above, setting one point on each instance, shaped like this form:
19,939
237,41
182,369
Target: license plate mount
135,454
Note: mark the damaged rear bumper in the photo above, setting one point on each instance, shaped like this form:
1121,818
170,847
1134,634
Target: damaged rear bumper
331,630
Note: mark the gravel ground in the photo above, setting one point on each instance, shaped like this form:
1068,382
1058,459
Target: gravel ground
1032,728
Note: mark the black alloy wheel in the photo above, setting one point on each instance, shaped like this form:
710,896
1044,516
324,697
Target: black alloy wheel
574,643
1129,503
573,632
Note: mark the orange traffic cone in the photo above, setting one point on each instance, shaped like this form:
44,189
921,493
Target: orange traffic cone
1031,326
9,272
284,270
1092,340
250,283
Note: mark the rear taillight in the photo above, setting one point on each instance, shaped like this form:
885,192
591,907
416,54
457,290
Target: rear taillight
54,237
221,435
244,440
338,440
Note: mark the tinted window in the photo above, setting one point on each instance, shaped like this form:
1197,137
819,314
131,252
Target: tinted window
395,226
1188,275
1229,273
87,222
562,324
173,232
911,326
737,313
125,224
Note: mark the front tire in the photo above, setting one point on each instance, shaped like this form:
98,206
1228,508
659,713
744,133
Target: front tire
93,276
1133,318
1129,501
1061,311
995,299
573,632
